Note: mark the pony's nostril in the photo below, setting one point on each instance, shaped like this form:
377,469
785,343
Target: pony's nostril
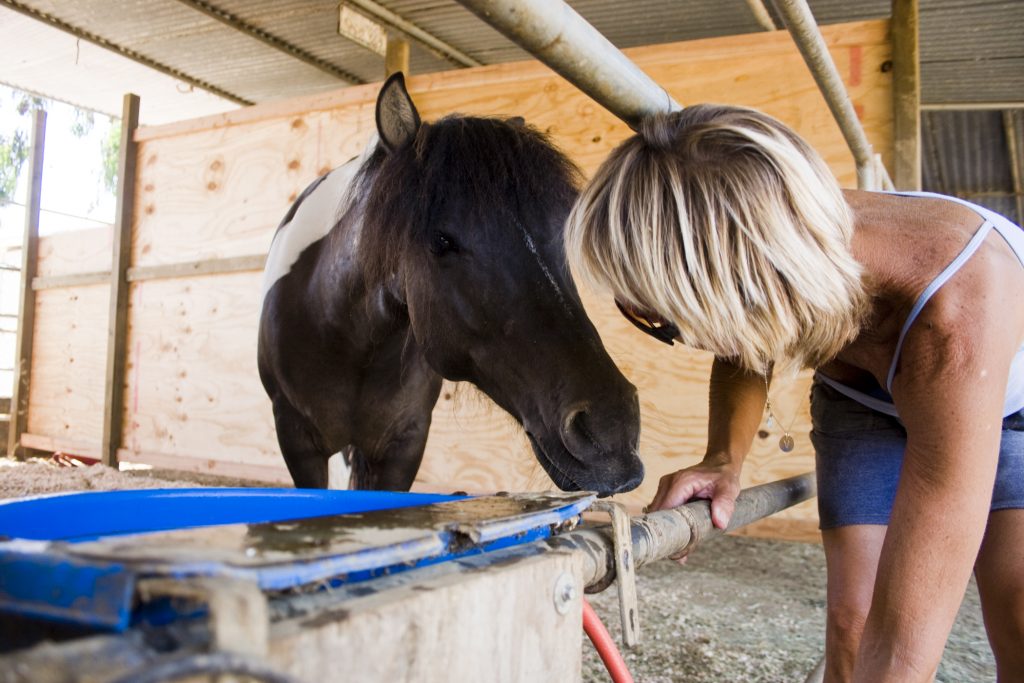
577,432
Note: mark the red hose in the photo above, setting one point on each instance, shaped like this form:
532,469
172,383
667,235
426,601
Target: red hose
605,646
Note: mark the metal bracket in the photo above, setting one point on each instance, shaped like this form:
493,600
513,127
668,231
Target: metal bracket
239,619
625,569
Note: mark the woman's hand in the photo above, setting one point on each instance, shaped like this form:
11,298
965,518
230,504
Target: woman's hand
712,479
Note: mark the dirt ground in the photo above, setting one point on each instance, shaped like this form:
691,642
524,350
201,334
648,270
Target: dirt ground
741,609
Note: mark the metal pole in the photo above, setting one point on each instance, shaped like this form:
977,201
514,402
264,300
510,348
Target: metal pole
804,29
556,35
761,15
669,532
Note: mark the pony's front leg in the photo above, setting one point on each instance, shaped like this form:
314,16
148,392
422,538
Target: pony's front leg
389,439
301,446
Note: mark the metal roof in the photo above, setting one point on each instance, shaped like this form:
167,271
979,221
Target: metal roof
972,52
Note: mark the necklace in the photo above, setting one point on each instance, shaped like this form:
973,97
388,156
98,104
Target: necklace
786,441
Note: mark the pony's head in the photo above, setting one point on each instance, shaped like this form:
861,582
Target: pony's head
464,219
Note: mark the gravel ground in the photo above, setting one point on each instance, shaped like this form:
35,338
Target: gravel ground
753,610
741,609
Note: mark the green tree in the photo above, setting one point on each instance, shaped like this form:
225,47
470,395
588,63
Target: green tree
110,148
13,153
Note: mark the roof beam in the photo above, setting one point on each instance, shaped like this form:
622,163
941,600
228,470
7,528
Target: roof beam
236,23
446,50
122,50
970,106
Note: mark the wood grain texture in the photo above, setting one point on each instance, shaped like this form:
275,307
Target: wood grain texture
192,387
66,395
216,188
120,260
498,625
78,251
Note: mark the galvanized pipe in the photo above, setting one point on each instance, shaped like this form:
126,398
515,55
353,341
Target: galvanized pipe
761,15
665,533
556,35
804,29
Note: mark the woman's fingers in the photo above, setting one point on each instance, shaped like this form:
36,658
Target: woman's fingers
722,507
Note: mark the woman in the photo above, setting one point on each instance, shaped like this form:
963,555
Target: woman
718,226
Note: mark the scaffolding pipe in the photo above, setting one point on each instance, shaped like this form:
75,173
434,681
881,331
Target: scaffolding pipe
556,35
804,29
666,533
761,15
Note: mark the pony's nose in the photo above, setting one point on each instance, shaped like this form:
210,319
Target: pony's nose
604,449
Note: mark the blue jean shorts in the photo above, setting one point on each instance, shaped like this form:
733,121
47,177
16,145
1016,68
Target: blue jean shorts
859,451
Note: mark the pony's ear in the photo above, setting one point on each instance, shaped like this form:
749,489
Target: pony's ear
397,118
516,120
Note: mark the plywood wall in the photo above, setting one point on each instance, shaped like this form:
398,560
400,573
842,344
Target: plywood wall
215,188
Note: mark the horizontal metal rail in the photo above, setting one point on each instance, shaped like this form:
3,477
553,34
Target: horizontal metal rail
558,36
666,533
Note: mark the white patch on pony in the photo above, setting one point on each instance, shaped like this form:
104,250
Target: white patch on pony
313,219
338,472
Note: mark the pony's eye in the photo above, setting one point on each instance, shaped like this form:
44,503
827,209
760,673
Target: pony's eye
442,244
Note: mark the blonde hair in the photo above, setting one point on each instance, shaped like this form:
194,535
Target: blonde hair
723,221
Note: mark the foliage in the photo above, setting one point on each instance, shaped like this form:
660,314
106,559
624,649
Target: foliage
83,124
14,147
13,153
110,148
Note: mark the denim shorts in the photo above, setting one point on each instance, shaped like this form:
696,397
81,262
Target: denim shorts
859,452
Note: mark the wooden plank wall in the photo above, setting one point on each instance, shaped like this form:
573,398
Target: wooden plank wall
216,187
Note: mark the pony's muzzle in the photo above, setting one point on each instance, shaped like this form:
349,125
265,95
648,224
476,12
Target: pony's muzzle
603,448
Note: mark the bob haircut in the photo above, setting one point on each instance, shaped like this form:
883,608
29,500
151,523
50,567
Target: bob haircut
726,223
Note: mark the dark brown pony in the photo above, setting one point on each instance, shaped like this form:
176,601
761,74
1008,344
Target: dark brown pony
438,254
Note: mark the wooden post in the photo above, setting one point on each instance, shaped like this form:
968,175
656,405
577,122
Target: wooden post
906,95
117,330
1015,147
396,57
27,302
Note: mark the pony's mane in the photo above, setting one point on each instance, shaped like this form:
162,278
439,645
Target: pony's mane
488,171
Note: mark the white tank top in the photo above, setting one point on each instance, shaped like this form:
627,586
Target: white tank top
1014,236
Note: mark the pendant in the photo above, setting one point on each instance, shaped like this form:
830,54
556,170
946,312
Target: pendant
786,443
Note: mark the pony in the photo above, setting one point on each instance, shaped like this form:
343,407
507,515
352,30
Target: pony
437,253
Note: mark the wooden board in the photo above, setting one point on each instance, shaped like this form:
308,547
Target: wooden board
70,355
497,625
192,386
75,252
216,188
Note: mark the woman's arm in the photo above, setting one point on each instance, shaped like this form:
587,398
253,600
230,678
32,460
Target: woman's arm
949,391
736,400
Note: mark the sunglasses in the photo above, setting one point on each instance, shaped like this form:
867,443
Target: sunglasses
649,324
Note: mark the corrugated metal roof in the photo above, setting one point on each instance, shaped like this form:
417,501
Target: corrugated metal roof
965,154
972,51
90,77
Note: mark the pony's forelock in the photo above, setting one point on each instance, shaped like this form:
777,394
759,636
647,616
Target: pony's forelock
489,172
